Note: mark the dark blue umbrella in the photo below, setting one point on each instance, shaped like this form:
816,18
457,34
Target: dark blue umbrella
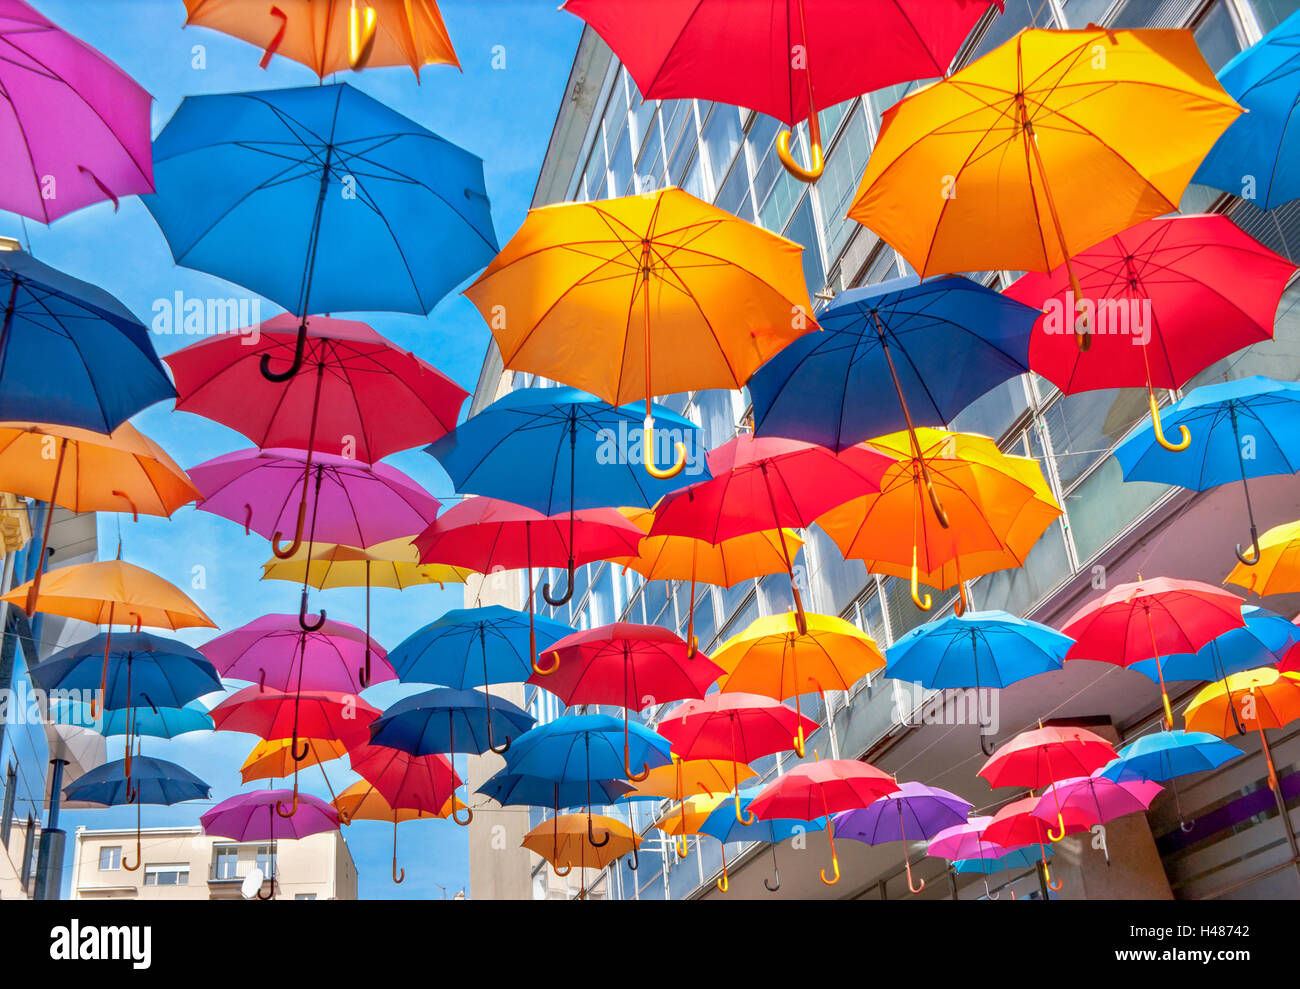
560,449
148,781
1256,157
448,720
1239,429
144,670
515,790
70,353
320,198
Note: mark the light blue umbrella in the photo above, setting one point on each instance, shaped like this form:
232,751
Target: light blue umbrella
1262,641
1164,755
1256,158
724,823
162,722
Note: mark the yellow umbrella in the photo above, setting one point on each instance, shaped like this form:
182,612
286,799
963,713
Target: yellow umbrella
1278,569
773,658
686,816
361,801
595,294
725,564
1042,148
563,842
273,759
995,506
85,471
1262,698
684,778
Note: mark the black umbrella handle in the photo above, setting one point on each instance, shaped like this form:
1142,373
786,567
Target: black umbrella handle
563,598
299,349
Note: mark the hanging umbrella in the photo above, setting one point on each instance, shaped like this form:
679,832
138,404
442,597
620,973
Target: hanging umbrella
726,564
991,509
404,780
1275,569
150,781
273,651
761,484
566,840
273,759
282,190
739,728
516,790
980,650
689,778
1163,756
161,722
1257,413
362,802
938,345
1150,291
769,61
448,720
254,816
819,789
598,292
556,450
1151,619
332,35
1030,154
631,666
76,126
1256,700
1255,158
687,815
965,846
773,657
487,535
1015,826
911,812
97,362
728,826
144,670
1096,798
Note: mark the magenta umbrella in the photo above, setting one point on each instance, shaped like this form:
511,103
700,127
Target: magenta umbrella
1096,799
252,817
273,650
74,128
966,841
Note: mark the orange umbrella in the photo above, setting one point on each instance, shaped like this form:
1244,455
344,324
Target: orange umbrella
333,35
361,801
85,471
1262,698
273,759
685,779
563,842
686,816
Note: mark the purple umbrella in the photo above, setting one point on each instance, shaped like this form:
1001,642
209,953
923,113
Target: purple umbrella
252,817
273,651
1097,799
913,811
350,502
74,128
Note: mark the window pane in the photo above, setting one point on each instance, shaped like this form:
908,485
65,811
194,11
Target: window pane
1271,13
803,231
722,136
1086,426
620,164
1216,37
840,180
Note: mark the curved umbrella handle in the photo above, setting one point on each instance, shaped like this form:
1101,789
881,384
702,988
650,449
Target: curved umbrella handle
293,808
135,512
397,879
1060,823
1053,884
135,800
299,348
563,598
924,603
636,859
548,670
648,454
988,893
768,886
562,872
741,816
635,777
1184,437
591,836
504,747
1254,546
273,47
127,865
798,743
910,888
683,849
723,882
986,744
816,162
455,814
270,895
293,750
963,603
286,552
361,37
835,864
305,625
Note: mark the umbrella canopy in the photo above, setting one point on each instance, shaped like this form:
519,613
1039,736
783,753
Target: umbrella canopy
584,747
565,841
1275,569
737,727
273,651
979,649
424,782
1164,755
600,292
474,647
273,758
76,127
964,841
394,563
689,777
330,36
144,671
517,790
252,817
1028,155
1265,639
1045,755
152,781
272,714
1016,825
1261,699
1255,158
112,592
939,345
1017,858
162,722
685,817
362,802
1097,798
97,361
448,720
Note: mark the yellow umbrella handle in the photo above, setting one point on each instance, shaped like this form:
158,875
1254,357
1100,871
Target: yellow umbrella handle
648,456
816,161
723,883
1184,437
924,603
1053,884
361,36
835,859
547,671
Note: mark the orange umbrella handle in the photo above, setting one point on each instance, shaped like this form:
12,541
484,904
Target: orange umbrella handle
926,602
361,36
547,671
125,864
1268,757
723,883
907,861
284,553
814,171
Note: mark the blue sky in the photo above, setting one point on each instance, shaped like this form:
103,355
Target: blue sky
502,114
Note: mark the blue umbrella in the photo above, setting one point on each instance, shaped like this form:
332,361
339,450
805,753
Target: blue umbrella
938,345
512,789
1222,419
149,781
162,722
144,671
448,720
1164,755
724,824
1262,641
286,191
70,353
1017,858
560,449
1261,146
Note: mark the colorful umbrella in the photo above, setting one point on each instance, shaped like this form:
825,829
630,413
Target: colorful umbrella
273,651
361,801
255,816
448,720
774,657
513,789
1256,413
281,191
424,782
686,817
914,809
161,722
632,666
273,758
76,127
97,362
768,58
939,345
727,826
1031,153
566,840
1275,569
599,291
332,35
691,778
1149,292
1151,619
1097,799
1164,755
1256,699
144,670
1015,826
1255,158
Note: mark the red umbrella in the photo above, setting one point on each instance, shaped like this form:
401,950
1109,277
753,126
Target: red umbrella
767,56
1155,291
1015,826
738,727
487,534
361,395
819,789
1150,619
424,783
633,666
768,483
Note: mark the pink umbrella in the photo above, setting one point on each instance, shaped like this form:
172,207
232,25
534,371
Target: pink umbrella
74,129
273,651
252,817
1096,799
967,841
